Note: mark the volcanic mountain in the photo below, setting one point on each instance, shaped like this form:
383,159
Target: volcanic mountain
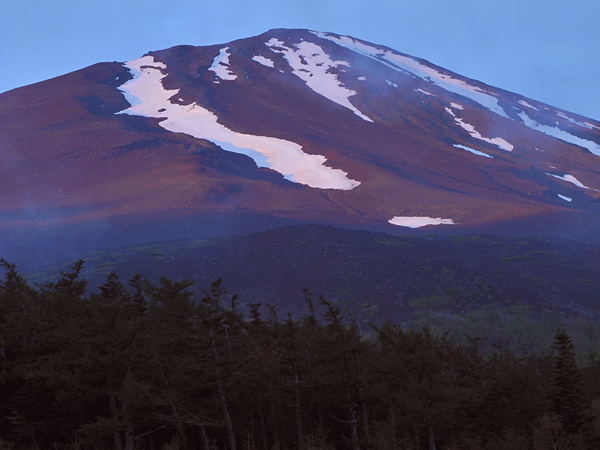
289,127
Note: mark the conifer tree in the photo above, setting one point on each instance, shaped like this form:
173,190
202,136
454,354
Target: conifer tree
216,319
567,398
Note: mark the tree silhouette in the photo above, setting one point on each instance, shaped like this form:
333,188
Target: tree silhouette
566,389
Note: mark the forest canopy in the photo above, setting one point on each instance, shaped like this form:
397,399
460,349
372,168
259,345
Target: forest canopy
141,365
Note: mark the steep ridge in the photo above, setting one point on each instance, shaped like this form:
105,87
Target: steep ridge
291,126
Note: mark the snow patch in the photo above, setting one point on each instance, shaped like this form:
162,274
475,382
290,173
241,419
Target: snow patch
423,92
220,66
560,134
274,42
418,222
584,125
567,199
149,98
310,63
362,78
457,106
591,125
485,98
390,83
524,103
502,143
409,65
571,179
469,149
263,60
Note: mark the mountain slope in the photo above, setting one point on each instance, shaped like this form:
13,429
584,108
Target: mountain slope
291,126
372,276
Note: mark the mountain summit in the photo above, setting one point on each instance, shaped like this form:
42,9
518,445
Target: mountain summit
292,126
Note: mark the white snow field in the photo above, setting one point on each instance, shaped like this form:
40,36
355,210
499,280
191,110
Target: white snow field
524,103
418,222
592,125
263,60
469,149
149,98
502,143
310,63
423,92
460,87
570,119
405,64
567,199
571,179
220,66
560,134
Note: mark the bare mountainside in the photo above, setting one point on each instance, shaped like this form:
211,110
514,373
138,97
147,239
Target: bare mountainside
289,127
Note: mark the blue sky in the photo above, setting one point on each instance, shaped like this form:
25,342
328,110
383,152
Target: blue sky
548,50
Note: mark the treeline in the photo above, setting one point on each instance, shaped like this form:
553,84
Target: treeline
518,329
136,365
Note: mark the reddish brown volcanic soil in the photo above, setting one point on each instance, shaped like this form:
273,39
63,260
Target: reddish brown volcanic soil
66,157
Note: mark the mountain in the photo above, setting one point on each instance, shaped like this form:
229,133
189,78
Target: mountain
370,275
289,127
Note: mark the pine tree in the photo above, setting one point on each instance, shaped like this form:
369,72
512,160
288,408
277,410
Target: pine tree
567,398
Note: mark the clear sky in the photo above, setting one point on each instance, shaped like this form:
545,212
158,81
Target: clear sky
548,50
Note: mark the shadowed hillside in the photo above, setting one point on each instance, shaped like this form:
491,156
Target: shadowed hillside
373,276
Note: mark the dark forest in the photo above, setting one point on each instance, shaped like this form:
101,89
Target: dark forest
141,365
